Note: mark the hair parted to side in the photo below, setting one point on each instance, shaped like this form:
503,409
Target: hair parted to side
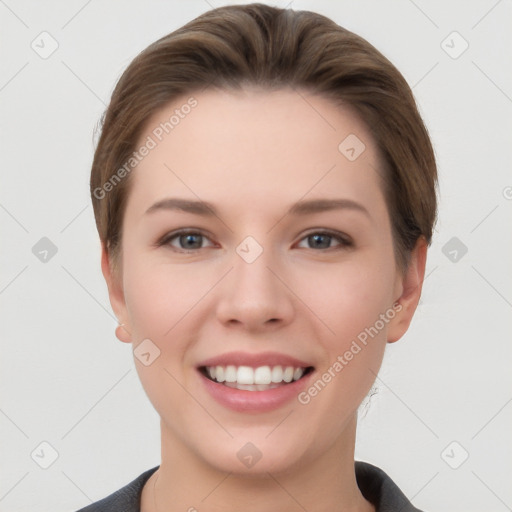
258,45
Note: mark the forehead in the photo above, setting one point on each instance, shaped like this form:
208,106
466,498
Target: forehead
255,145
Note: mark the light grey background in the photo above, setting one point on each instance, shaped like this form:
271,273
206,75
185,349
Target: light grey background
67,381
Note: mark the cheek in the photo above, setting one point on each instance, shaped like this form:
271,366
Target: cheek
158,295
349,297
151,304
161,299
350,300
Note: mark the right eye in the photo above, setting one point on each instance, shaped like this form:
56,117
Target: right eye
188,241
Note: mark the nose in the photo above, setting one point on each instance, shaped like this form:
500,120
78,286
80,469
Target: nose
255,295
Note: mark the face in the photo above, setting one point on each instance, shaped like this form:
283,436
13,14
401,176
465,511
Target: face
256,237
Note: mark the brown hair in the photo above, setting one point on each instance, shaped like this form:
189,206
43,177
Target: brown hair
272,48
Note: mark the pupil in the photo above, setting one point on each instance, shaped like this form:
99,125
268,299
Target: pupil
318,238
189,238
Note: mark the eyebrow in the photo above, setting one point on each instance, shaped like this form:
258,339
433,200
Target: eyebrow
299,208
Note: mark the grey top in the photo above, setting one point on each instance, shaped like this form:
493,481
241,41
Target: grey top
375,485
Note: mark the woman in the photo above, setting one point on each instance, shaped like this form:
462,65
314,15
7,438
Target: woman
265,192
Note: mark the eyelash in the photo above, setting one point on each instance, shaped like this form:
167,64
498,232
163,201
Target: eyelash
343,240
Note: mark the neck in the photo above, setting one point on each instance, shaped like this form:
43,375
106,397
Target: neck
324,484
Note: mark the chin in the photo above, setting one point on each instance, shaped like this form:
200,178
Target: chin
255,455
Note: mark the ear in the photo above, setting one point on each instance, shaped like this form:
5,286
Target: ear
408,291
116,296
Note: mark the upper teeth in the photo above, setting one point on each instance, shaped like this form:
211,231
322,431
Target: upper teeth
259,375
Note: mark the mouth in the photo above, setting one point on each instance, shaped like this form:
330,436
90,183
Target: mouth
261,378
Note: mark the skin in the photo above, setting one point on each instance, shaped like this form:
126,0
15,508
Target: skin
253,154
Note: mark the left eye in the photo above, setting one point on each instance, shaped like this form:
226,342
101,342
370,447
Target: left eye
321,240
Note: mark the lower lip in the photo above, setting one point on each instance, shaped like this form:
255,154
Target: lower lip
241,400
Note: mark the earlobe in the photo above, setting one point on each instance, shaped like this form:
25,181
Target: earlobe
116,296
411,286
122,334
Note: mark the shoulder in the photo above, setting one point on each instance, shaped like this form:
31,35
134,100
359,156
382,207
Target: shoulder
378,488
126,499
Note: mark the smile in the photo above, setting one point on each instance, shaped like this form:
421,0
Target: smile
261,378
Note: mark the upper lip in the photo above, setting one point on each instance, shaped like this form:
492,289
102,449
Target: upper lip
254,360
